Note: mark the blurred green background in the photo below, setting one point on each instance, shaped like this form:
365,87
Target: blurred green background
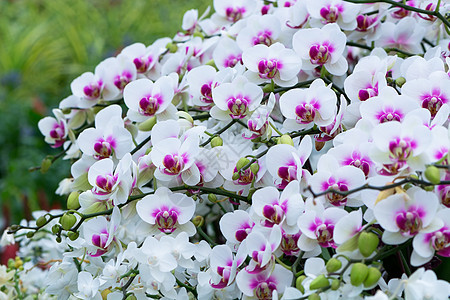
44,45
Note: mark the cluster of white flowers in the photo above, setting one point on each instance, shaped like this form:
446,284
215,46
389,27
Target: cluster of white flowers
275,150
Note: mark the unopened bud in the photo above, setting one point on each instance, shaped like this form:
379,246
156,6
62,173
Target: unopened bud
131,297
333,265
429,188
286,139
67,221
73,235
433,174
58,239
148,124
45,165
254,167
185,116
212,198
11,263
30,234
41,221
72,200
298,283
172,47
372,277
367,243
251,191
56,228
241,162
235,176
216,141
147,152
319,282
18,262
198,34
198,221
358,274
268,88
14,227
313,297
400,81
335,284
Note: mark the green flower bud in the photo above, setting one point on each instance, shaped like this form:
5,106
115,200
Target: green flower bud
148,124
30,234
172,47
367,243
131,297
358,274
41,221
212,198
319,282
56,228
313,297
216,142
433,174
198,221
11,263
254,167
58,239
298,283
400,81
268,88
335,284
286,139
67,221
333,265
235,176
198,34
429,188
72,200
14,227
45,165
147,152
241,162
372,277
73,235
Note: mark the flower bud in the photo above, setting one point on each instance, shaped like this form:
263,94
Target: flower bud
400,81
212,198
14,227
429,188
41,221
56,228
172,47
286,139
198,221
67,221
58,239
298,283
367,243
372,277
241,162
45,165
72,200
11,263
333,265
148,124
254,167
147,152
319,282
433,174
268,88
131,297
216,141
73,235
185,116
30,234
18,262
235,176
335,284
358,274
313,297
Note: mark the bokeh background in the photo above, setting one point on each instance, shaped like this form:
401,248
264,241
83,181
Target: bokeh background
44,45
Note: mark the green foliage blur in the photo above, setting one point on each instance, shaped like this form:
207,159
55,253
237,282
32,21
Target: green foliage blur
44,45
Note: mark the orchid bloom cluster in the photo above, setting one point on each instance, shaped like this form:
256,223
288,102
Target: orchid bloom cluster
273,150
